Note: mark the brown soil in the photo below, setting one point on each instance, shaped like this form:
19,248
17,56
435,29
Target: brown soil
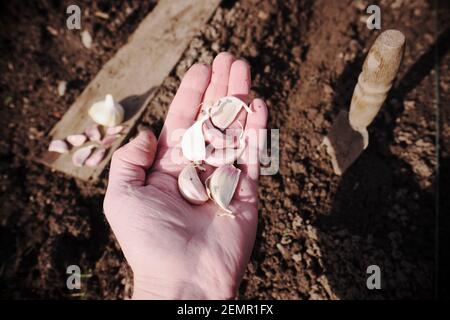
318,232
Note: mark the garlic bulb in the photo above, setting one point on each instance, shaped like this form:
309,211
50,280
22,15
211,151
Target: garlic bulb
191,188
222,184
107,112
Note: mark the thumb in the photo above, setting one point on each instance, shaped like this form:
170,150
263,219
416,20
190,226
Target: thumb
130,162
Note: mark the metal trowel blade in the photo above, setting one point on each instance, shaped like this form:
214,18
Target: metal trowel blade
344,144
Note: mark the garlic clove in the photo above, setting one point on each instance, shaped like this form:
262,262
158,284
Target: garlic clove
108,140
221,185
219,139
59,146
225,110
190,186
93,133
96,157
107,112
193,141
80,156
114,130
76,139
220,157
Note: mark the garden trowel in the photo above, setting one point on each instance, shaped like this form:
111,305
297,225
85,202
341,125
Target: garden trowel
348,136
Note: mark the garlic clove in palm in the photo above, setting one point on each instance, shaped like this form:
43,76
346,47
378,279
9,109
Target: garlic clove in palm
76,139
59,146
193,141
107,112
220,157
190,186
80,156
225,110
219,139
221,185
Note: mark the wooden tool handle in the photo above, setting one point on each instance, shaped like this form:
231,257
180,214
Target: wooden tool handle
379,71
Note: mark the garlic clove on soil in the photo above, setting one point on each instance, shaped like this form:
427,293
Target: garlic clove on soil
193,141
221,186
107,112
93,133
76,139
59,146
96,157
225,110
190,186
81,155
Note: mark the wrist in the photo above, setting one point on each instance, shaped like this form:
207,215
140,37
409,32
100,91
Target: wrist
146,288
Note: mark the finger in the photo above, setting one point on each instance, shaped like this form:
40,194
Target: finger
255,140
218,87
185,105
239,86
130,162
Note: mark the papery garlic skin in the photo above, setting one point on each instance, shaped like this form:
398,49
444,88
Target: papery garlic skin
107,113
221,185
190,186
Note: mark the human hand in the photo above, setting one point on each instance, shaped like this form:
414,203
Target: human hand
177,250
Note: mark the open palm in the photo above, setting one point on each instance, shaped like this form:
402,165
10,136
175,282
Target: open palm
178,250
